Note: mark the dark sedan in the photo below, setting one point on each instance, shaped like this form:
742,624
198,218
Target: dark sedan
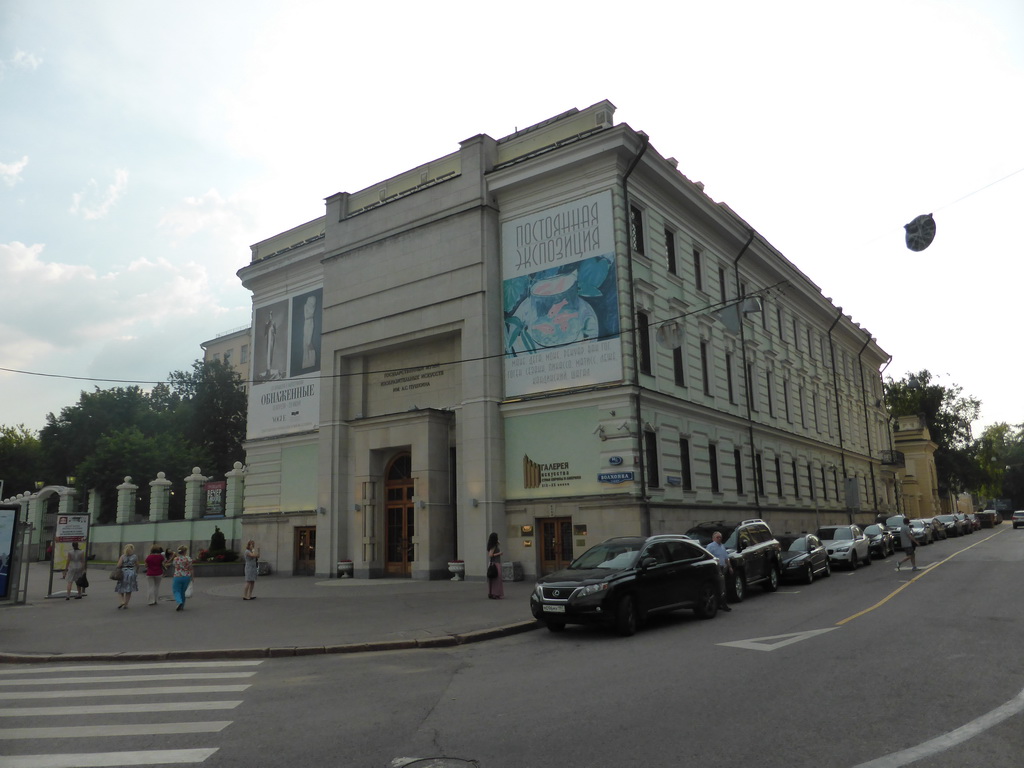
954,526
622,581
881,542
803,557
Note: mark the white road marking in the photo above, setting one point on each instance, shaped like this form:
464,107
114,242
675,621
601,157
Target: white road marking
83,731
941,743
107,759
35,669
133,692
776,641
117,709
129,678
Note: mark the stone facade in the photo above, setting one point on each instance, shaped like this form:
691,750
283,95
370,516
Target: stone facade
555,336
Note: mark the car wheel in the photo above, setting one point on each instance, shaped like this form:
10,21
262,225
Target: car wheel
625,616
809,574
828,568
707,602
737,587
867,559
853,560
555,626
773,579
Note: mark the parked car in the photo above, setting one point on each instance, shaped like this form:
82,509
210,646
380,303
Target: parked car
1018,518
880,540
923,531
954,526
893,525
975,522
938,529
804,557
845,544
622,581
990,518
754,553
966,526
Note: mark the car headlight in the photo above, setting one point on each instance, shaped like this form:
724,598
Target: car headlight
590,589
842,547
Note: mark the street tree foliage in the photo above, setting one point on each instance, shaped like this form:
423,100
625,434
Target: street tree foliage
1000,453
196,419
20,460
948,415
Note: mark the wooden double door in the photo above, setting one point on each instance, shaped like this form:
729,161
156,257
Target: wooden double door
399,517
555,544
305,551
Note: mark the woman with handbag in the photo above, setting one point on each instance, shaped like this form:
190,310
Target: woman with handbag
129,581
74,569
182,565
495,586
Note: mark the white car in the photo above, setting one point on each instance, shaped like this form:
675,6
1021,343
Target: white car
1018,518
846,544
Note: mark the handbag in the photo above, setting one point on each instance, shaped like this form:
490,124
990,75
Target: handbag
492,571
115,575
188,590
82,581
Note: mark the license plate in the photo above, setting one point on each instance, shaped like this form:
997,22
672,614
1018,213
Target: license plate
554,609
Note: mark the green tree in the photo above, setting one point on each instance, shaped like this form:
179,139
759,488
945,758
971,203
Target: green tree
1000,452
212,411
948,414
21,460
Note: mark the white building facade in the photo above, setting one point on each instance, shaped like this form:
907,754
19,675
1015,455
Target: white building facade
555,336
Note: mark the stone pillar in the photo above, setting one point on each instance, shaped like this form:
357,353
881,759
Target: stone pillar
159,497
67,502
126,500
35,509
194,494
236,491
94,506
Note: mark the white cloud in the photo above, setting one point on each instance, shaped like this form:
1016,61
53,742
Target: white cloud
11,172
94,202
25,60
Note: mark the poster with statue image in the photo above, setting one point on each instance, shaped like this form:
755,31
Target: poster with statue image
560,298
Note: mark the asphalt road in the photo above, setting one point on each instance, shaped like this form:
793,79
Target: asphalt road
866,669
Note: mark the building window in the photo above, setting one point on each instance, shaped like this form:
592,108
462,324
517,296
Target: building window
824,485
810,348
802,406
835,482
636,229
771,393
698,276
651,455
245,353
670,251
814,412
796,481
778,321
785,401
713,462
684,459
764,314
721,283
810,481
704,369
216,357
751,384
759,474
778,477
796,337
728,377
738,463
678,367
643,341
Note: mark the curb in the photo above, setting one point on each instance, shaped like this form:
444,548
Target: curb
441,641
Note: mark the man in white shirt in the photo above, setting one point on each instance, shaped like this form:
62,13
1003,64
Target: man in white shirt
717,548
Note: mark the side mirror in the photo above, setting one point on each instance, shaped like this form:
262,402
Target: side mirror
647,562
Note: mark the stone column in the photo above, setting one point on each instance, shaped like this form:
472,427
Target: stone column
126,500
235,496
159,497
67,502
194,494
94,506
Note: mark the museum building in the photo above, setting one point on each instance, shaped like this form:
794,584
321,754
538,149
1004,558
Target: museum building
555,336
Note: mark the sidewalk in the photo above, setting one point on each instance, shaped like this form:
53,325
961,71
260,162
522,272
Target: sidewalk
291,615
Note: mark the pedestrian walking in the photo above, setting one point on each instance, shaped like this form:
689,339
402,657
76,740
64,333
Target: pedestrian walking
129,581
154,573
909,544
717,548
182,565
495,586
252,567
74,569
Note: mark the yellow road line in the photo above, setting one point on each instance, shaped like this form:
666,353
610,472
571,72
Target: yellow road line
924,572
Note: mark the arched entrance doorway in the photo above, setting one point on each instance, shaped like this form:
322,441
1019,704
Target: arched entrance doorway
399,516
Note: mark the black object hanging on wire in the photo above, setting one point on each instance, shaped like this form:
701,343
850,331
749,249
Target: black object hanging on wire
920,232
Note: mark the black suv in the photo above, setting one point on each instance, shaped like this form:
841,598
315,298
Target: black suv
621,581
755,554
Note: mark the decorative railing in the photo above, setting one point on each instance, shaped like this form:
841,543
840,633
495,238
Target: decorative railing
893,459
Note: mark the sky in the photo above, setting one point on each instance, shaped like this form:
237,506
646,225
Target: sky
144,146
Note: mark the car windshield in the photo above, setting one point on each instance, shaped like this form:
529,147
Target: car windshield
873,530
946,518
793,543
614,556
703,534
835,534
895,522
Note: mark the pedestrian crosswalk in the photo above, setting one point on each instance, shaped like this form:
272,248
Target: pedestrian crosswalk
173,710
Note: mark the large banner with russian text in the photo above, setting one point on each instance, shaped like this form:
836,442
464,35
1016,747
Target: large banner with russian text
560,298
285,364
